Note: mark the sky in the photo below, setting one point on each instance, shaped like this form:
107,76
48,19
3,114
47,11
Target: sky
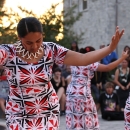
37,6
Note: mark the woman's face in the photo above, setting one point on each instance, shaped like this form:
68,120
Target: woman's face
32,41
124,64
57,74
74,45
127,48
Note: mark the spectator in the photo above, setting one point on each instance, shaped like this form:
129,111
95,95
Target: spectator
58,83
127,48
109,104
4,88
110,75
74,46
122,79
102,46
109,58
97,84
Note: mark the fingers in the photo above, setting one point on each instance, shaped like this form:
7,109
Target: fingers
125,54
122,33
118,33
113,38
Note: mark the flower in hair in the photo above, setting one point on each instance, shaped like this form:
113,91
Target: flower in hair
87,49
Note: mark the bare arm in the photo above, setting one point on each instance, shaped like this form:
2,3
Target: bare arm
128,86
117,108
77,59
63,81
111,66
98,106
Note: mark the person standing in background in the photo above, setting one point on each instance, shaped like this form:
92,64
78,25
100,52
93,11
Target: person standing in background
122,79
74,46
4,88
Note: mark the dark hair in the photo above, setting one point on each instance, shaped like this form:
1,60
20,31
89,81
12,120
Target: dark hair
126,47
86,49
57,70
28,24
82,50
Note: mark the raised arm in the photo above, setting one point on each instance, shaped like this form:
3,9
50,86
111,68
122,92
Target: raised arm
77,59
111,66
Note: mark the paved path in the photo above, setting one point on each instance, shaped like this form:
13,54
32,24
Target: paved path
104,125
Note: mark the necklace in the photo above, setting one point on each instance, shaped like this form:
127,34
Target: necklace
25,53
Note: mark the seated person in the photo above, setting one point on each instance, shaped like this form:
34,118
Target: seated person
109,104
97,84
58,83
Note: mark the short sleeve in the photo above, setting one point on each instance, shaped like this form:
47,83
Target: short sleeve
94,66
59,53
3,55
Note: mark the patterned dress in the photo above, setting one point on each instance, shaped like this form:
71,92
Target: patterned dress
127,114
81,113
32,103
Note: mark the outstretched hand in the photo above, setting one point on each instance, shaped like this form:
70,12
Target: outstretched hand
116,38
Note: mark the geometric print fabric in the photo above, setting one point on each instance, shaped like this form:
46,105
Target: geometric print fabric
32,103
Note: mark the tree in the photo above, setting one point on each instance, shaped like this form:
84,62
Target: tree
7,34
57,27
2,2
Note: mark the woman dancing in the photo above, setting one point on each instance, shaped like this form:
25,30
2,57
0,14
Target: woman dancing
32,102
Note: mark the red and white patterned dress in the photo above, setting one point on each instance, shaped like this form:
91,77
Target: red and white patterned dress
81,113
127,114
32,103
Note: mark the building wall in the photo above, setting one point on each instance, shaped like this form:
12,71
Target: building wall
100,20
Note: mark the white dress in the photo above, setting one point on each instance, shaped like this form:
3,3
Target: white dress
81,113
32,103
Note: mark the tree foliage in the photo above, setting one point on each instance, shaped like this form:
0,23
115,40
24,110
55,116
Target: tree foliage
57,27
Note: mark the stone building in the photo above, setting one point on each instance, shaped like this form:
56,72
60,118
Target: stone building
99,20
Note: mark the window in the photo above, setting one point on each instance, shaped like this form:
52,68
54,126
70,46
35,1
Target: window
84,4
